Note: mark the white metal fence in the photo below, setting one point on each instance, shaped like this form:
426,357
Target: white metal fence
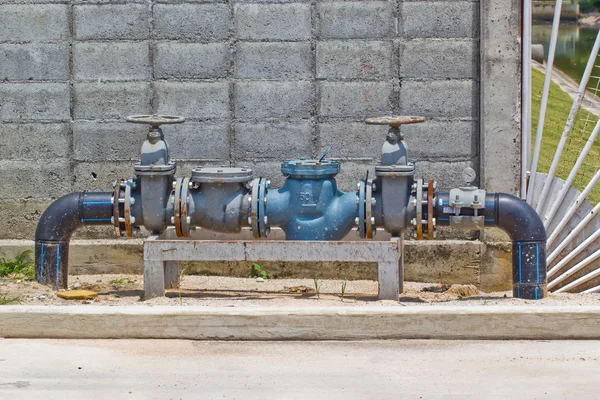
566,193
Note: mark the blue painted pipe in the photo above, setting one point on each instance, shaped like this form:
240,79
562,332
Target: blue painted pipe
55,228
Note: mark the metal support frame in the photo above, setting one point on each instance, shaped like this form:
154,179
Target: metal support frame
162,256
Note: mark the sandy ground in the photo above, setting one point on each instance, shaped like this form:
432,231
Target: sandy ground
127,290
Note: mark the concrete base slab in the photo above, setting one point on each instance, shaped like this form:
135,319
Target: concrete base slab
316,323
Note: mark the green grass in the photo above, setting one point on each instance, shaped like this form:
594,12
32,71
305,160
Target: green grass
21,268
559,105
4,300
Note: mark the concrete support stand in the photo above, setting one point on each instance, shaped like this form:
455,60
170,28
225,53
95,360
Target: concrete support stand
162,257
171,274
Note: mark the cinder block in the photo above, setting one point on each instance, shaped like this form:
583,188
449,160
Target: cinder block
355,20
38,62
453,99
35,102
107,141
272,140
355,99
34,141
433,58
200,22
448,174
266,169
273,21
273,60
193,100
354,60
199,141
111,100
191,60
111,61
98,176
21,23
351,172
262,99
111,21
39,180
18,218
354,140
441,139
447,19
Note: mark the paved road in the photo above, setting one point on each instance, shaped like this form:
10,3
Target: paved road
408,369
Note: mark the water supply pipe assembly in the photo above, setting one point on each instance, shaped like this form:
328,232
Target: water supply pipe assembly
308,207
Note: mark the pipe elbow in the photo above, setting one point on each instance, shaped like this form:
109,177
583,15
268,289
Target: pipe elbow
61,219
518,219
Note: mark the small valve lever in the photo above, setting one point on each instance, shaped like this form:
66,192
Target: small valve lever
327,151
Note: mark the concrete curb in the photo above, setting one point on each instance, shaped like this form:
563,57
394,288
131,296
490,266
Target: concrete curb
324,323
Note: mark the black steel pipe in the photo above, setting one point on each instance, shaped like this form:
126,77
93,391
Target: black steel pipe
55,228
526,230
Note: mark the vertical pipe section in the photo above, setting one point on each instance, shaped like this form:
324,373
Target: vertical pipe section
526,94
569,124
55,228
544,103
525,227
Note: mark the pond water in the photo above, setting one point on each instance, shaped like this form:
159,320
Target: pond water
572,49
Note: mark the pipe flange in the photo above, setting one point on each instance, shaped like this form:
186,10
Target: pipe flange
127,210
176,207
419,209
184,217
361,209
254,209
115,200
263,222
430,202
369,219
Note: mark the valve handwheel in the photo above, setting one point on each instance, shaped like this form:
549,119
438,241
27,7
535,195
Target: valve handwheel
155,120
394,121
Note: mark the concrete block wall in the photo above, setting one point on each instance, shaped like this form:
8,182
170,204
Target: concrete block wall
258,81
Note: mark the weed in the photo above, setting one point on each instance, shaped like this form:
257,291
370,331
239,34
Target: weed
120,281
5,300
317,286
22,267
344,289
258,271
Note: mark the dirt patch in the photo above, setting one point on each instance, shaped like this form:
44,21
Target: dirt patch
127,290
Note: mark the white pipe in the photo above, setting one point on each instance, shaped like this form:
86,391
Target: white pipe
526,94
573,234
584,278
544,104
595,289
573,254
574,207
563,192
569,124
